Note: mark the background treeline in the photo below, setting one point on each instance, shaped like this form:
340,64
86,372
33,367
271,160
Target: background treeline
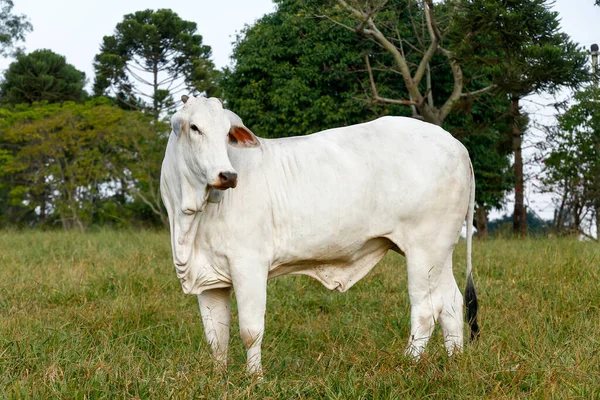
77,159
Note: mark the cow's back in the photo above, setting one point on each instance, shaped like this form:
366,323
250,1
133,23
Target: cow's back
360,177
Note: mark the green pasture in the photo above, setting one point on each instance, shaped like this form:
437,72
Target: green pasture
101,315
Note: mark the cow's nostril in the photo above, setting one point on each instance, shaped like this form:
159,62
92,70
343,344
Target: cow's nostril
227,179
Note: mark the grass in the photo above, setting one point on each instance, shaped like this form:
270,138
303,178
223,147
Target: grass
101,315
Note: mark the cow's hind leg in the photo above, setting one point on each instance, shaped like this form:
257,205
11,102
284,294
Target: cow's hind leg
451,318
215,308
425,278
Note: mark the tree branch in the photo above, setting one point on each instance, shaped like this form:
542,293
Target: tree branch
376,94
139,78
433,46
336,22
587,235
374,32
458,84
478,92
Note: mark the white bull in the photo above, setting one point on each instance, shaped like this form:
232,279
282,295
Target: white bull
327,205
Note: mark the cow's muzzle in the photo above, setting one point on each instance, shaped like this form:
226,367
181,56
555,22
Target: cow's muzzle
226,180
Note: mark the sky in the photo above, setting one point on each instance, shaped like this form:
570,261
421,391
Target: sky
75,28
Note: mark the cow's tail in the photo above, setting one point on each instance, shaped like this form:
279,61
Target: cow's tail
470,294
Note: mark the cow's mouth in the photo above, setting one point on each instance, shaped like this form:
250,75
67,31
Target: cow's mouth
220,187
224,185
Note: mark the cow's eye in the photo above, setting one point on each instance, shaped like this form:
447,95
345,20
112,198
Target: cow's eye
195,128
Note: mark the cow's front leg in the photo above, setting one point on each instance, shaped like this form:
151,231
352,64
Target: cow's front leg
250,286
215,308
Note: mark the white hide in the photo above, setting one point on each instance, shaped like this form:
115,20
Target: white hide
327,205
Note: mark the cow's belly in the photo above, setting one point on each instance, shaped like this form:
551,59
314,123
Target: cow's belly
341,270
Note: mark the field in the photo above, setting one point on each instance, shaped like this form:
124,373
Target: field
101,315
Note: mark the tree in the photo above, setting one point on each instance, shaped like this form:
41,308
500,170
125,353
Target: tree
12,27
295,74
412,33
572,168
155,51
42,76
481,126
520,45
502,227
78,164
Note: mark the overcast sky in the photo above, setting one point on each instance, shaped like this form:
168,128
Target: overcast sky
74,28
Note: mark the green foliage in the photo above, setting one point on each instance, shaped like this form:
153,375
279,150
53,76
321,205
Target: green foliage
297,74
149,57
572,168
520,45
42,76
536,226
412,39
12,27
102,315
481,124
78,164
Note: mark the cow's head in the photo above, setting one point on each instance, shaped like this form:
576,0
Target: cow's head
203,129
197,165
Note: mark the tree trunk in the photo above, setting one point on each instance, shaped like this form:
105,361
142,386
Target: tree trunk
43,207
558,222
596,187
481,221
519,216
577,208
155,85
597,211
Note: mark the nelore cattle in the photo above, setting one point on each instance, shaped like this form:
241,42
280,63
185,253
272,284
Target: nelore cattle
243,209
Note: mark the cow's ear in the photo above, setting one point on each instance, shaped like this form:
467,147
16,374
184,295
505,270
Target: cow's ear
177,124
239,135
